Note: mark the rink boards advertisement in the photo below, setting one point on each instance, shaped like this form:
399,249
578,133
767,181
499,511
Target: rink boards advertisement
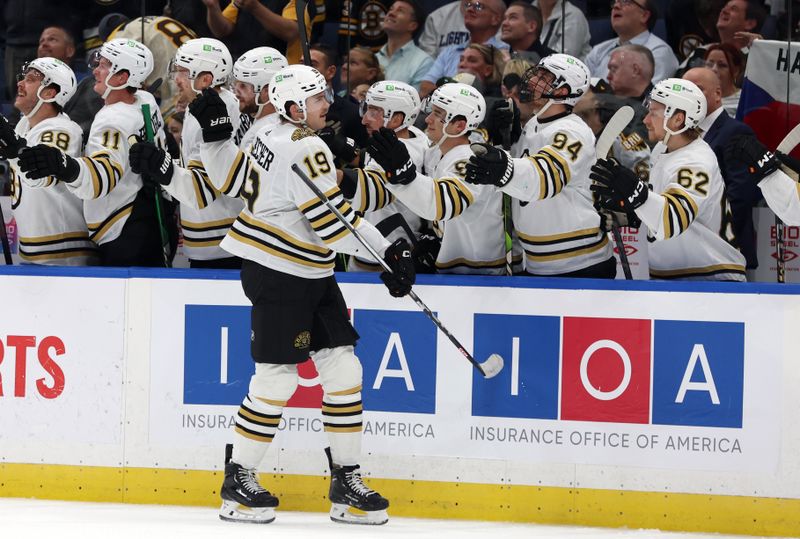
665,379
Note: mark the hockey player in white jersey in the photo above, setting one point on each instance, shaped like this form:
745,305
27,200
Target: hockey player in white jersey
470,216
548,179
687,212
120,215
205,216
49,218
287,238
775,173
252,74
395,106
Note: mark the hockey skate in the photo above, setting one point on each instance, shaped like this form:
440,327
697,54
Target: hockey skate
244,499
352,501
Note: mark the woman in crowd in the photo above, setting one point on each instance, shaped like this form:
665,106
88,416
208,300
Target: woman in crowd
728,63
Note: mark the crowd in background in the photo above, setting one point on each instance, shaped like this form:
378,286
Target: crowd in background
628,46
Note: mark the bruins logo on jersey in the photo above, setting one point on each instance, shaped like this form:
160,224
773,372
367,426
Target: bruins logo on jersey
633,142
302,132
371,16
303,340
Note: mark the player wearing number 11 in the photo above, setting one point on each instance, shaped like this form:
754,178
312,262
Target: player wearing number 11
286,237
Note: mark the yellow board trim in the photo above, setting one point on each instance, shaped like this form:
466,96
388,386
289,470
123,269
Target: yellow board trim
421,499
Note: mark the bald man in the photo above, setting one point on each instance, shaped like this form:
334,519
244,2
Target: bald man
630,68
718,130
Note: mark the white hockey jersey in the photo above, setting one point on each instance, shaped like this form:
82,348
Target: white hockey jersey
469,216
106,182
554,219
266,123
284,225
689,217
49,218
376,203
205,216
782,194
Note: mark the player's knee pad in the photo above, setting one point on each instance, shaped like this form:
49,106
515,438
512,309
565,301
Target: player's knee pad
339,369
273,383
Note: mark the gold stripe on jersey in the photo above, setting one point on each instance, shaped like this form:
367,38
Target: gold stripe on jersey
318,215
698,272
343,392
240,164
553,170
199,234
472,264
559,238
40,240
280,244
569,252
203,189
98,230
680,210
374,194
452,198
57,255
207,225
104,171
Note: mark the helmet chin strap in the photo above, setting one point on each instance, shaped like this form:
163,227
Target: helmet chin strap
109,87
41,101
669,131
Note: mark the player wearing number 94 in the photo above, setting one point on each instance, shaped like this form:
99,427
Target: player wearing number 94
287,238
687,212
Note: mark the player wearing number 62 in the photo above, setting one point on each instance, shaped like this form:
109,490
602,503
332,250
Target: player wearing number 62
286,236
687,212
50,218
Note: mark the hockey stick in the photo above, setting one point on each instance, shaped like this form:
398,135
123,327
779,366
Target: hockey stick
780,242
300,10
149,137
4,239
488,368
508,223
613,128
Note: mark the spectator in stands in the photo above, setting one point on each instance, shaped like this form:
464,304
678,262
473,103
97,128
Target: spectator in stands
361,23
521,28
691,23
400,58
482,19
444,27
487,64
633,21
513,73
737,24
728,63
630,70
246,24
565,27
343,113
175,126
718,130
57,42
361,67
191,13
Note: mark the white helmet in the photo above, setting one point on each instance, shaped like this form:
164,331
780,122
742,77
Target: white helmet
55,72
295,84
204,54
683,95
569,72
393,96
125,55
257,66
459,99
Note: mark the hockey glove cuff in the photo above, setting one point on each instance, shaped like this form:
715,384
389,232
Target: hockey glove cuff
403,275
758,159
613,182
212,114
342,147
151,162
392,155
489,165
42,160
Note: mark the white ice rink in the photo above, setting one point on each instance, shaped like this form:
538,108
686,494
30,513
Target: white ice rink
23,519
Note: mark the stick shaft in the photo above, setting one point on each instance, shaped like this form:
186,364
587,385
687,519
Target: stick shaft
4,240
384,265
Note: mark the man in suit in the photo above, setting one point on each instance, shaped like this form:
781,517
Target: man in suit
718,130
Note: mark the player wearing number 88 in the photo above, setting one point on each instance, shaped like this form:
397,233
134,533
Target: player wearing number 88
50,219
686,212
287,238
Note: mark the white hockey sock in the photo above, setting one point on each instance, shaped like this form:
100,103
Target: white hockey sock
256,424
341,416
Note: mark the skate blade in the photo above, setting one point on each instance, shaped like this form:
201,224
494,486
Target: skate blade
349,515
235,512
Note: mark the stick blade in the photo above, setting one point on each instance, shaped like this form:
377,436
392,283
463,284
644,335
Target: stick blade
492,366
613,128
791,140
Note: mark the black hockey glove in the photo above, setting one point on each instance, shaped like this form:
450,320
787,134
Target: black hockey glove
611,218
392,155
342,147
403,275
211,113
151,162
426,251
489,165
758,159
617,188
10,143
503,122
43,160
